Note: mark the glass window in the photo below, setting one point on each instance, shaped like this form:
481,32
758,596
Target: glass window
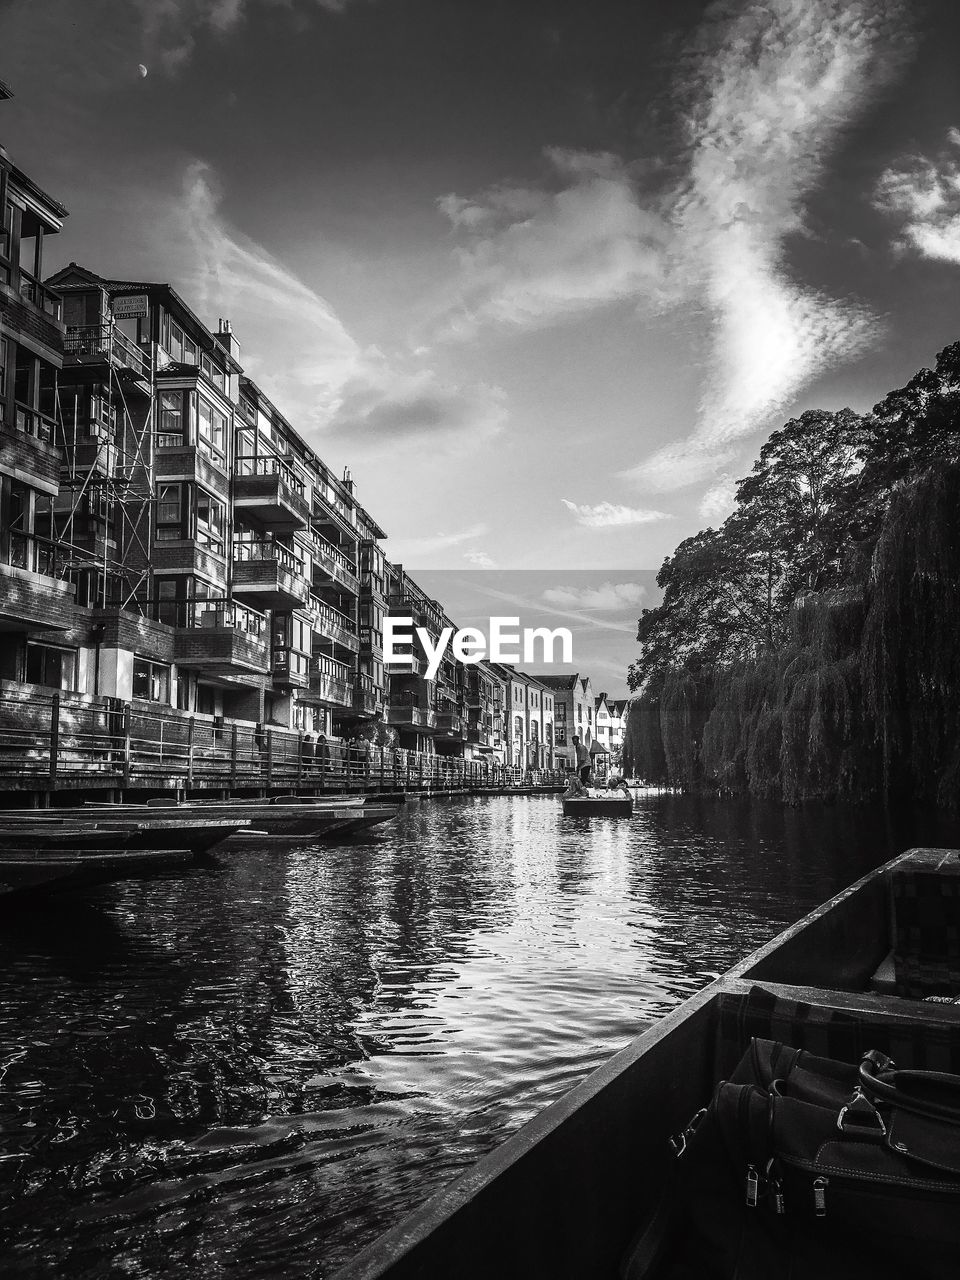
213,371
169,512
167,610
171,418
3,368
55,668
175,345
211,429
210,520
151,681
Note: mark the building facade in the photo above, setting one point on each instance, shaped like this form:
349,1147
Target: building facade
574,714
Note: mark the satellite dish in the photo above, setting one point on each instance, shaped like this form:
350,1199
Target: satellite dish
141,71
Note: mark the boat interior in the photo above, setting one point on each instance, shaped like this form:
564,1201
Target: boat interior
877,967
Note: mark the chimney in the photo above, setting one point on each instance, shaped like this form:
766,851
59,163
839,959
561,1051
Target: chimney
227,340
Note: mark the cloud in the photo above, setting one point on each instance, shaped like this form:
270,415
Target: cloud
533,256
924,195
607,515
718,500
480,559
770,102
610,597
440,541
295,346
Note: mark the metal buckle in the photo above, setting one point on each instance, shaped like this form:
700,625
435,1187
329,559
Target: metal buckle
860,1101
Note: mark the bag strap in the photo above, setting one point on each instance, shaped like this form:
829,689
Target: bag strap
929,1093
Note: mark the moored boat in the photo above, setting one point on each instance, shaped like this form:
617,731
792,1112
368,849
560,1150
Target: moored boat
86,829
565,1196
26,869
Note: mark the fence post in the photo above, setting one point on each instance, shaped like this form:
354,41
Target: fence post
54,737
381,768
420,759
233,757
269,736
190,729
299,760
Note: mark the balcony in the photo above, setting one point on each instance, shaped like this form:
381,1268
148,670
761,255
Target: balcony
331,563
102,347
188,555
28,451
367,698
31,595
269,575
221,637
291,669
405,711
175,460
449,723
270,495
331,624
331,682
36,313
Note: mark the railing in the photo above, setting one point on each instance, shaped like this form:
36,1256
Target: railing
322,665
330,615
222,613
34,553
108,341
269,466
31,422
32,290
328,550
268,551
54,741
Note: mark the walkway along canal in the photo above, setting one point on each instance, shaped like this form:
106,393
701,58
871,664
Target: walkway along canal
262,1062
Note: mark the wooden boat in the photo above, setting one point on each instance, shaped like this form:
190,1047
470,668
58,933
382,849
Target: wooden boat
84,830
566,1194
614,804
29,870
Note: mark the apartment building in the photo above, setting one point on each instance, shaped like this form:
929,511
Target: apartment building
39,636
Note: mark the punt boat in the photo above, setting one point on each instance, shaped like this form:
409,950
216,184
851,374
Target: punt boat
25,869
611,805
79,830
563,1198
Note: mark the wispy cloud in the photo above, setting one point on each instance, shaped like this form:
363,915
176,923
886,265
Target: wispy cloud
924,195
532,256
439,541
609,597
772,97
606,515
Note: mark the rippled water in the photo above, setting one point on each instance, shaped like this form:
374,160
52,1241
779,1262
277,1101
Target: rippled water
258,1064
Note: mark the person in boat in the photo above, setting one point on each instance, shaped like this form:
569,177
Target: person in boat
575,788
616,783
583,761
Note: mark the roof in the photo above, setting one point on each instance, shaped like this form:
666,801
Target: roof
557,682
132,286
5,91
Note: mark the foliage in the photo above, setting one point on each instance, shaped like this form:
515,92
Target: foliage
806,648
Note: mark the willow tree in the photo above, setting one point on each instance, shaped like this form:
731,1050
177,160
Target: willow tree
911,658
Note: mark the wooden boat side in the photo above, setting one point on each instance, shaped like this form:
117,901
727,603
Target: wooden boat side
564,1195
598,806
26,871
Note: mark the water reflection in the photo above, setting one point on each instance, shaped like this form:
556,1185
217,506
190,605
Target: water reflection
264,1061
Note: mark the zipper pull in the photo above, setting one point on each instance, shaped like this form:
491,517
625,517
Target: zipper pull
753,1186
820,1197
775,1185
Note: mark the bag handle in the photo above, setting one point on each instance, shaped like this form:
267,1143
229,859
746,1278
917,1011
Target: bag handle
928,1093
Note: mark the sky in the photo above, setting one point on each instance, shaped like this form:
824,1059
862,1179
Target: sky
543,275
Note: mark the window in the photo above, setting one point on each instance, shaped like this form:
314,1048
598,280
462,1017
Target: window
3,368
211,430
50,666
210,521
151,681
171,419
213,371
167,610
169,512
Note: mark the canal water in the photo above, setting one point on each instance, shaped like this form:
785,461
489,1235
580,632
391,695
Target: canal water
254,1067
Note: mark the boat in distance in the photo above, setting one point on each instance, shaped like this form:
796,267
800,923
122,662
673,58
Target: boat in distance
564,1197
616,805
